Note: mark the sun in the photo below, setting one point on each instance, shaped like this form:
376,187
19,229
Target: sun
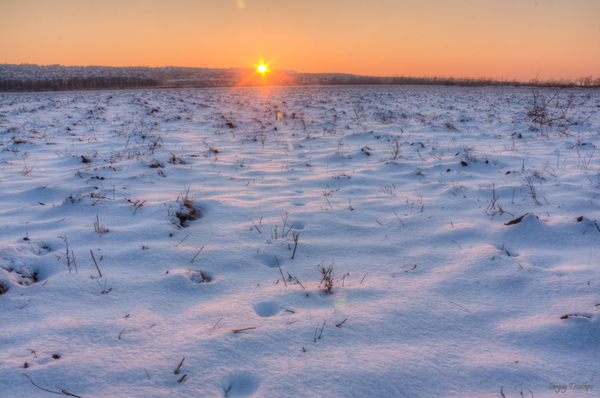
262,68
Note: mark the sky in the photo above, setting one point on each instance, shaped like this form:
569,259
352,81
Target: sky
520,39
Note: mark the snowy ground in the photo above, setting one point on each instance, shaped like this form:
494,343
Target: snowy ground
432,295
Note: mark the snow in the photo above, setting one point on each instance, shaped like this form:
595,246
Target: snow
433,294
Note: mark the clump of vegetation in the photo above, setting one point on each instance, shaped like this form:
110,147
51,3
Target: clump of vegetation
553,111
188,212
385,116
3,288
99,228
18,141
395,148
327,280
449,126
27,278
173,159
199,277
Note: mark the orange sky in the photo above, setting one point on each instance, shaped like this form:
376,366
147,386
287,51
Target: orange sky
477,38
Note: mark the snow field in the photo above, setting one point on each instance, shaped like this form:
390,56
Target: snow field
404,193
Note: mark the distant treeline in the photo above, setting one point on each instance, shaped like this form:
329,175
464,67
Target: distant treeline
470,82
100,83
77,83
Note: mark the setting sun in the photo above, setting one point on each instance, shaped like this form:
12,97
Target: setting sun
262,68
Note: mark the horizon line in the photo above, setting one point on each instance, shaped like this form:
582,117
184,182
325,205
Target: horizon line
480,77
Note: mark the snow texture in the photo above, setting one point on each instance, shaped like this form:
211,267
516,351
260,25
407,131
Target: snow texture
196,202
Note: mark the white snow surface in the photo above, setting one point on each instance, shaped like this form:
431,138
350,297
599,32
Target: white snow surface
433,295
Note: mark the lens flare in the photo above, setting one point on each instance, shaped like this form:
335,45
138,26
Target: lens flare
240,4
262,68
340,303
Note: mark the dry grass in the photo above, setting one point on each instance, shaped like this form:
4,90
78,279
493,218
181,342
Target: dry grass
189,212
395,148
99,228
27,170
199,277
449,126
327,278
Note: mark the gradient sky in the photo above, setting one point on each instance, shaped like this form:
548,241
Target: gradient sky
476,38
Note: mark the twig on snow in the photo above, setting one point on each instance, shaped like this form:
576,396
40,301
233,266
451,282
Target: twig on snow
63,392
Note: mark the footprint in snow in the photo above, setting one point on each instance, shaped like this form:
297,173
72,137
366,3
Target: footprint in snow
267,309
240,384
